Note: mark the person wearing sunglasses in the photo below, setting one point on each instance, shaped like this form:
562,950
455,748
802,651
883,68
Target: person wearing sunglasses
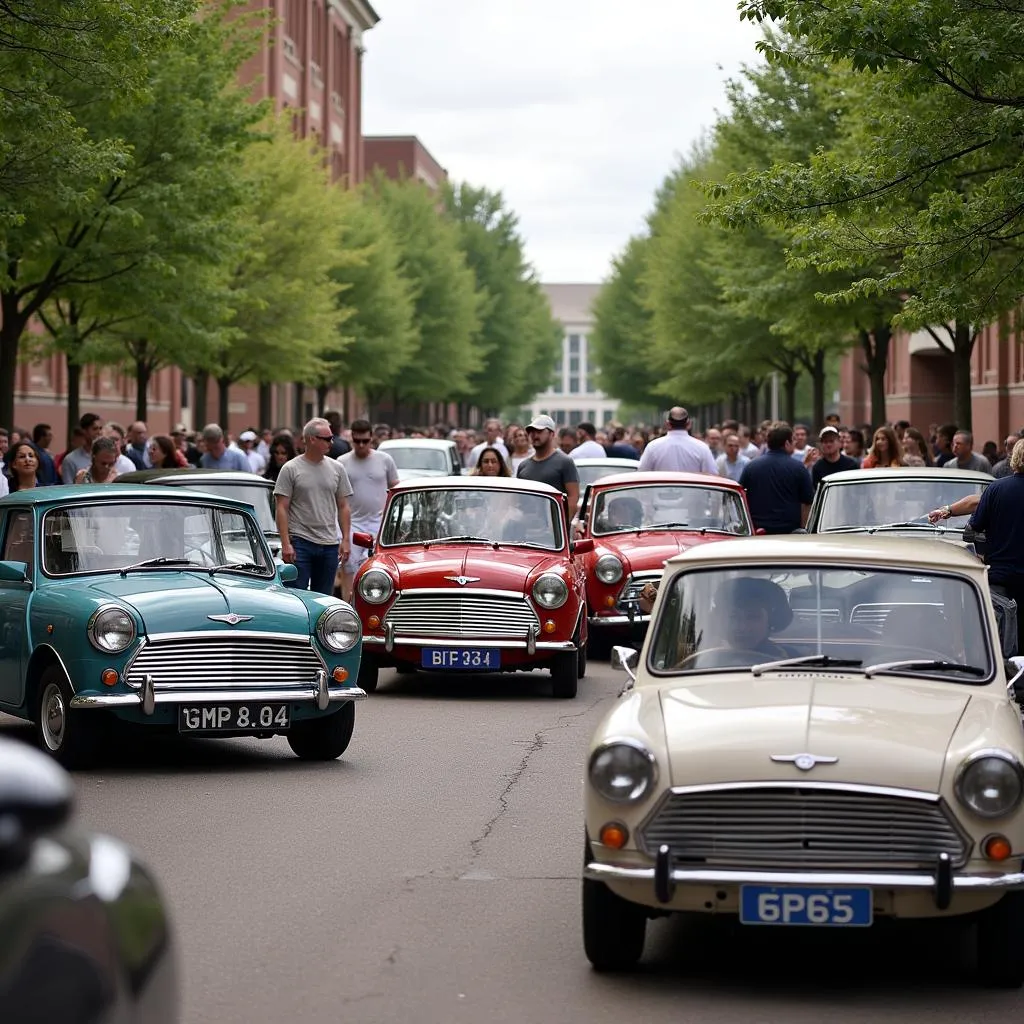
313,515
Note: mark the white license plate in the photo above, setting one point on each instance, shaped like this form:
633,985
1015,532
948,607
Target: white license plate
233,717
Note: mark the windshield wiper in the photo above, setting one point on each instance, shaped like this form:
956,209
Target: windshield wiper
912,525
935,665
808,661
249,566
466,539
160,563
667,526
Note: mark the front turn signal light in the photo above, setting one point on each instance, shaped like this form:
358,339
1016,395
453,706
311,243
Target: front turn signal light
109,677
996,847
340,674
373,621
614,835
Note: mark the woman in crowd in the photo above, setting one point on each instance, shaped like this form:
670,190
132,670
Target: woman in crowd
164,454
490,463
885,451
101,469
519,450
23,466
915,449
282,450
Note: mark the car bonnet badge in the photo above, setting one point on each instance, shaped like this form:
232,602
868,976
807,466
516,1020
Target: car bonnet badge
805,762
463,580
231,619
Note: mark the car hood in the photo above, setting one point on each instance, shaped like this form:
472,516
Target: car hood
507,568
883,733
170,602
652,550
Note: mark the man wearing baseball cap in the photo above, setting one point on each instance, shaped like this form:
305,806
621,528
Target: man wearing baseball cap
832,458
247,442
548,464
677,452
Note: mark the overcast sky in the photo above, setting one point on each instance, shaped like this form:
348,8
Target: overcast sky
574,109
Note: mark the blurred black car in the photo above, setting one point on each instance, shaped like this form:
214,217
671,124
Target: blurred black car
84,934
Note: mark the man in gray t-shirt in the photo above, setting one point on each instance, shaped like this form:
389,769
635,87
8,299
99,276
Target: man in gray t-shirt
312,511
964,456
549,465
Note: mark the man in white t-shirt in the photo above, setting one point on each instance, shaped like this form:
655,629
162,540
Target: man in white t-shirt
800,446
492,439
588,447
677,451
370,474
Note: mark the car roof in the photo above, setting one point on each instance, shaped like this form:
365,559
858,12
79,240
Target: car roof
84,494
609,461
855,550
416,442
182,475
475,483
665,477
847,476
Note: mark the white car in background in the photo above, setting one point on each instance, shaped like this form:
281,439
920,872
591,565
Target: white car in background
423,456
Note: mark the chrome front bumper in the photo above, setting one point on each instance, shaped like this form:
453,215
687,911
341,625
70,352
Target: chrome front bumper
617,620
504,645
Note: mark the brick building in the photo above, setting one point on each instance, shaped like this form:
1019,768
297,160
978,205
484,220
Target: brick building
312,61
402,156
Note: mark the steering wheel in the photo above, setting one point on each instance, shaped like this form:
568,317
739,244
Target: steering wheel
758,655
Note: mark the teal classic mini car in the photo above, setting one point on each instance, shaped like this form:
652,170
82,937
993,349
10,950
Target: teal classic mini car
163,608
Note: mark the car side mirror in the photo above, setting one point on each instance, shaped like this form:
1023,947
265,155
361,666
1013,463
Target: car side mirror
363,540
13,572
289,573
582,546
35,797
625,659
1015,677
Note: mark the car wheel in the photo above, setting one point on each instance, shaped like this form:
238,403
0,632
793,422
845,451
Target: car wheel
564,678
368,672
581,661
614,929
999,942
62,732
324,739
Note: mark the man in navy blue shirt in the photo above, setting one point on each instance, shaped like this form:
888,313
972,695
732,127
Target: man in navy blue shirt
778,487
1000,514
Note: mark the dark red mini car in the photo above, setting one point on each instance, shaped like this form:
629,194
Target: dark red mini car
473,574
636,522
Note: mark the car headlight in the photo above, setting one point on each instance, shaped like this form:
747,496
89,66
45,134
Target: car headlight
990,783
622,771
550,591
376,586
338,628
608,569
111,629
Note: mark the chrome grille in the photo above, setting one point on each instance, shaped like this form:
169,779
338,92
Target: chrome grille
214,661
630,596
794,825
461,614
813,615
874,615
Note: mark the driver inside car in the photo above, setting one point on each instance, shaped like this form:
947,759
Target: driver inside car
749,611
624,512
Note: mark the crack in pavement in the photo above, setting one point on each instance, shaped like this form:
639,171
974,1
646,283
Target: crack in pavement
537,743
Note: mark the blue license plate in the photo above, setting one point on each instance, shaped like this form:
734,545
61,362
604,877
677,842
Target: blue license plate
464,658
805,905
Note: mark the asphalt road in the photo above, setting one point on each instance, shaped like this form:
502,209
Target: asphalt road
432,875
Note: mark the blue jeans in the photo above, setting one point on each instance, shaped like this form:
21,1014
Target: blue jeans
317,565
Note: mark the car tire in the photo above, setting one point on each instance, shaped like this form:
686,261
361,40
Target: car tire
1000,938
325,738
614,930
60,731
564,678
369,670
581,660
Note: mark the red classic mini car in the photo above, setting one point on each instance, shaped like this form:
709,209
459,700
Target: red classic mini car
473,574
639,520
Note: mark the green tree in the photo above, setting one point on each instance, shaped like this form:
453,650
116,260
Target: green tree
447,304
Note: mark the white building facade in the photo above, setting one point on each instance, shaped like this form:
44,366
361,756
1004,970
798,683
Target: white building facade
573,397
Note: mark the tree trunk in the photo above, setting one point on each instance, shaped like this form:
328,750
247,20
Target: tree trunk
753,411
266,406
74,394
734,408
818,388
143,373
299,414
875,344
12,326
789,382
321,399
200,399
963,346
224,387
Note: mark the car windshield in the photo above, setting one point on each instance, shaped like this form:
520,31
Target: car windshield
589,474
892,500
495,516
669,507
259,497
856,619
411,459
112,535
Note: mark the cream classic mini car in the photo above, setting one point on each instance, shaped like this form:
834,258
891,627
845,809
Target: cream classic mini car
818,732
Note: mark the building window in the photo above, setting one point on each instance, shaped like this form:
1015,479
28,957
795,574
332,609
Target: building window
574,385
574,364
591,386
574,344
